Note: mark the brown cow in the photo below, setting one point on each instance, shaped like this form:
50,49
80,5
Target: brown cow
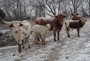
44,21
74,25
56,24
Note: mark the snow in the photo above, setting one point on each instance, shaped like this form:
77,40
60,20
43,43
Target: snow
67,49
4,31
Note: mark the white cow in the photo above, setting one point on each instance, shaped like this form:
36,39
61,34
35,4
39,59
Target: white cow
21,32
40,31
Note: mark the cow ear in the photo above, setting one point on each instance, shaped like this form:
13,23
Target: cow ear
21,24
11,25
72,14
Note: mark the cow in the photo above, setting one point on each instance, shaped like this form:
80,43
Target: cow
69,24
21,32
40,31
44,21
55,22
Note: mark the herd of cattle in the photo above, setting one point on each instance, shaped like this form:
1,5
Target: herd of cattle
22,30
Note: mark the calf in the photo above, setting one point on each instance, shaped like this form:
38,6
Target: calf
40,31
74,25
21,32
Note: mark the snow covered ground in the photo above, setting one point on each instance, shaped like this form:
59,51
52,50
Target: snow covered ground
68,49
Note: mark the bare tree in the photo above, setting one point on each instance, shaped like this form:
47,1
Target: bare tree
16,9
23,9
88,6
51,6
6,5
76,4
39,7
54,7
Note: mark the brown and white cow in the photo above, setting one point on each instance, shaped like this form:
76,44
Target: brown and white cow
55,22
40,31
69,24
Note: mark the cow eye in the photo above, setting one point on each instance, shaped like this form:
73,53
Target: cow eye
11,25
56,16
85,20
21,24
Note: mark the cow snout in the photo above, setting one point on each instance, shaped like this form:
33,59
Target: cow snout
16,31
85,20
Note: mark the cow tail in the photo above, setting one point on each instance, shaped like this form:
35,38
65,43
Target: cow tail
66,26
31,32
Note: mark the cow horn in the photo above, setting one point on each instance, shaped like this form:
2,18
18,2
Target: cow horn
16,21
7,22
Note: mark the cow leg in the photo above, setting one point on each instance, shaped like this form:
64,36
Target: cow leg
27,39
54,32
36,39
23,42
78,30
67,30
28,44
43,40
68,33
19,48
58,34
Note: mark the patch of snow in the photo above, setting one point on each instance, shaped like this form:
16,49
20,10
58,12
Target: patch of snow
67,49
4,31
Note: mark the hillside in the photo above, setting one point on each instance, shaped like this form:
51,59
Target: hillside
67,49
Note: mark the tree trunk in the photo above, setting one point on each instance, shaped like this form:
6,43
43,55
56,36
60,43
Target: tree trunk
89,8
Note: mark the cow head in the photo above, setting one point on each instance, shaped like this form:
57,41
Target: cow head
60,18
14,25
73,14
83,21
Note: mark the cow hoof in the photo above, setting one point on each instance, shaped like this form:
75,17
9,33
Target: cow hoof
36,43
19,51
43,43
68,36
78,36
54,40
59,40
28,46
